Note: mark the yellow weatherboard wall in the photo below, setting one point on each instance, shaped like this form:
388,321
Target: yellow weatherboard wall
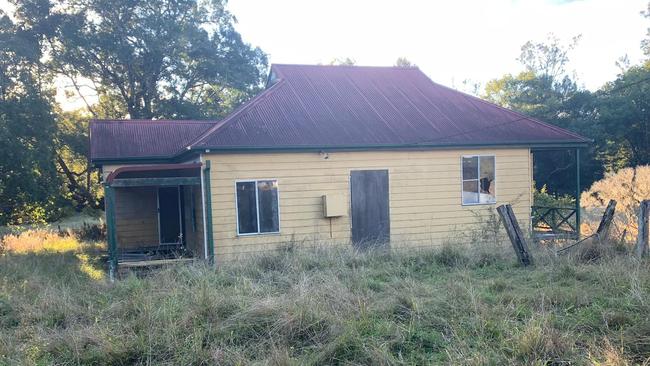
425,195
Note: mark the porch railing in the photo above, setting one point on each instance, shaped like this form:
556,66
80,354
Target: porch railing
554,221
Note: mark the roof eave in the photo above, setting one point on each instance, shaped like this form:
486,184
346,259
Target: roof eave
537,145
180,157
360,147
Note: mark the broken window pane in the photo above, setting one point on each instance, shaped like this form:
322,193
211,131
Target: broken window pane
487,183
479,184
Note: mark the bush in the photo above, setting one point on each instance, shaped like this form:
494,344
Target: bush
451,256
91,232
628,187
543,198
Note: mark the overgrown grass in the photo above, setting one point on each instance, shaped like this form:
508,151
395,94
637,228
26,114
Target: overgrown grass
329,306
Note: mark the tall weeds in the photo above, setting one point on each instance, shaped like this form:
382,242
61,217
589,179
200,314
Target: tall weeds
452,305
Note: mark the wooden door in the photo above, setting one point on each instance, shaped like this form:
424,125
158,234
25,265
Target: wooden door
369,208
169,215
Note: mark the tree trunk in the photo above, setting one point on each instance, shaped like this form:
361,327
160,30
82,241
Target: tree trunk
82,195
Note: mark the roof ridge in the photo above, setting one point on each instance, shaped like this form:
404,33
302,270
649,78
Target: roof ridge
329,65
153,121
392,67
256,99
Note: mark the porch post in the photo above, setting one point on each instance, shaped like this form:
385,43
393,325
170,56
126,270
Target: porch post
208,211
578,192
109,203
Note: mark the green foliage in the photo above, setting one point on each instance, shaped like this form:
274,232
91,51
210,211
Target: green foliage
153,59
146,59
542,197
82,188
623,118
545,91
28,177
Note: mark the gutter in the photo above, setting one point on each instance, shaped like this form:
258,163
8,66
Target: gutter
150,168
380,147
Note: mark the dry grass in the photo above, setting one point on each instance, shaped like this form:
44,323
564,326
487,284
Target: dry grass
35,241
325,306
628,187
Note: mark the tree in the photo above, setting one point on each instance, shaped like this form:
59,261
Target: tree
645,44
161,58
623,116
403,62
29,182
547,59
82,187
545,91
343,61
143,59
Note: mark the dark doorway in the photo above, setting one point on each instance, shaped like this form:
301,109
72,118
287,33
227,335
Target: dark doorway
370,210
169,215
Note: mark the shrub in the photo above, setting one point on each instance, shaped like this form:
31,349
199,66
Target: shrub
91,232
451,256
542,197
628,187
540,343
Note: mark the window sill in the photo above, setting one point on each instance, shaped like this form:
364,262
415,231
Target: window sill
478,204
258,234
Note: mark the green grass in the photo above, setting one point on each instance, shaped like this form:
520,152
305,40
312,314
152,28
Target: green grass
329,307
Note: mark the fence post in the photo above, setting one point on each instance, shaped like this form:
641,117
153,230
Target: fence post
109,207
606,221
642,238
514,233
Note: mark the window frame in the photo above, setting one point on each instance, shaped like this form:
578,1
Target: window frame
257,206
463,180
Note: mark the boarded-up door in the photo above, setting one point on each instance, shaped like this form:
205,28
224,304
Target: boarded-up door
169,215
370,207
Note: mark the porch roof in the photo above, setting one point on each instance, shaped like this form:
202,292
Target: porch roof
155,175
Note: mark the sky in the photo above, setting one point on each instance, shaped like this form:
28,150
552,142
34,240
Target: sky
451,41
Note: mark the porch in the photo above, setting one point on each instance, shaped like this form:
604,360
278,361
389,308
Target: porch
155,215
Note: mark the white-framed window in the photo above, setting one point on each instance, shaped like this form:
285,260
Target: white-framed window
257,206
478,179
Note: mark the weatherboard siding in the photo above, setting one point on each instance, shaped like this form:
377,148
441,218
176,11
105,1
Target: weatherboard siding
136,217
425,195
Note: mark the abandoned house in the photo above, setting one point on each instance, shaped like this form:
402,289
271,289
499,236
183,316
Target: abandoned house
325,154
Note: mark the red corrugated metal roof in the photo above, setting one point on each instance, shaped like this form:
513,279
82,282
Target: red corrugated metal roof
335,106
310,106
129,139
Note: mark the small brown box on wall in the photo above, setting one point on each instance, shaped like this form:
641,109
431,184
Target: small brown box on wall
334,205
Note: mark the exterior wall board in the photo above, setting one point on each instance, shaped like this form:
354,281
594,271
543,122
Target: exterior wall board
425,195
136,217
